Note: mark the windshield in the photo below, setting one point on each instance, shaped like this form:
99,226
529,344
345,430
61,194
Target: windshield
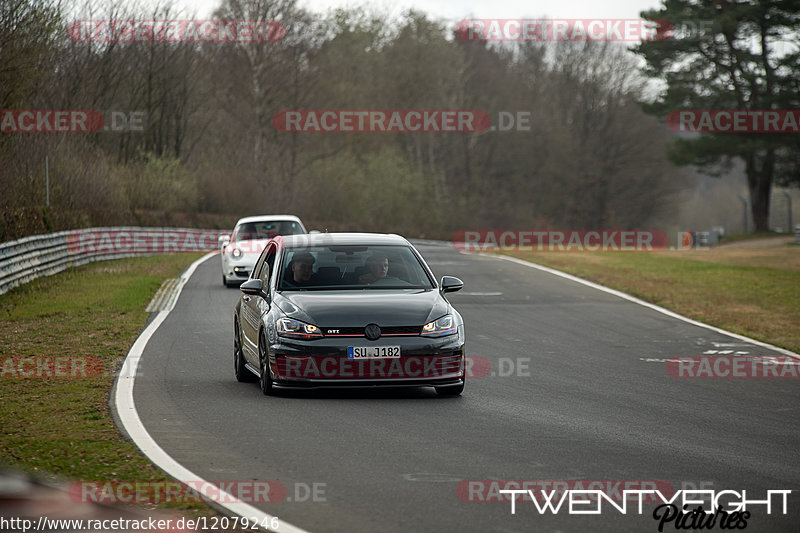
266,230
352,267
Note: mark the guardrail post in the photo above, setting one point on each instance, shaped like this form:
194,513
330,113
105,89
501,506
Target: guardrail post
744,213
788,209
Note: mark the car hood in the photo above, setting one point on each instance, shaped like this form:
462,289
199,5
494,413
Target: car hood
362,307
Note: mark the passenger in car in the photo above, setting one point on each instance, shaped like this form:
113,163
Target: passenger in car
377,268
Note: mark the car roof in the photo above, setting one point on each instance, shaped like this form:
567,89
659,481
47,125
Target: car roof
349,239
267,218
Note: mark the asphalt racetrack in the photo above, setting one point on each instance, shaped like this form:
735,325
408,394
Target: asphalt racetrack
570,387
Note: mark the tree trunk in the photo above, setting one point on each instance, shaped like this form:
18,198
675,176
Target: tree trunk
759,182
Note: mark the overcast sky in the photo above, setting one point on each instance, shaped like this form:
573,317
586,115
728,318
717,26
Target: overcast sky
455,10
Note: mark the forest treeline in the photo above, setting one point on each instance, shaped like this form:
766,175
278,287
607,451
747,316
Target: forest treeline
590,157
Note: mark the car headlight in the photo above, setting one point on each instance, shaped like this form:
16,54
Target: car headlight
288,327
237,253
440,327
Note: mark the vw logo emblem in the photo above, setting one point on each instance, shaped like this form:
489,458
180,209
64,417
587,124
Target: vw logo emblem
372,332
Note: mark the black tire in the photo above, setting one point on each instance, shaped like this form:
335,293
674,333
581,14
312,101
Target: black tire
264,380
450,390
225,281
240,371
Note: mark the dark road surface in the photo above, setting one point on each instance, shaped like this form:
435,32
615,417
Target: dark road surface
577,390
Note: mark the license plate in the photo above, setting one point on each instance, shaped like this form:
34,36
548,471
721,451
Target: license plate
373,352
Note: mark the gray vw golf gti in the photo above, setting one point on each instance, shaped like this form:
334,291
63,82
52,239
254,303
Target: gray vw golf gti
347,310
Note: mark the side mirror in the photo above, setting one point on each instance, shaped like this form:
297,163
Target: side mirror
222,240
451,284
254,287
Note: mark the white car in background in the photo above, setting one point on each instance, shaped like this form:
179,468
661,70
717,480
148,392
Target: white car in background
241,250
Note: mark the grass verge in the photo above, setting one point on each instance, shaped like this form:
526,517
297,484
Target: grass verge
750,291
744,237
61,427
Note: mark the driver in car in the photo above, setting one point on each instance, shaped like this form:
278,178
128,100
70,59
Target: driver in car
377,269
302,269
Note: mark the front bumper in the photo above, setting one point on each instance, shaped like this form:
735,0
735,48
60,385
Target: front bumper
237,270
323,362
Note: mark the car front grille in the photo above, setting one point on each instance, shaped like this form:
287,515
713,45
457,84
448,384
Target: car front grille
388,331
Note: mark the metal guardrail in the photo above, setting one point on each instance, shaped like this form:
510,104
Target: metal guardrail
797,234
26,259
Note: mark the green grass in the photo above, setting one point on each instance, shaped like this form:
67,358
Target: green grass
753,292
58,427
740,237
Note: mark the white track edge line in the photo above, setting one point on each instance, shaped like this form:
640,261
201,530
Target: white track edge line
635,300
129,418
